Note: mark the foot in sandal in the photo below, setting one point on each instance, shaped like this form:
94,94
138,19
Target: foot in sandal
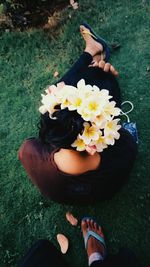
94,240
104,53
92,46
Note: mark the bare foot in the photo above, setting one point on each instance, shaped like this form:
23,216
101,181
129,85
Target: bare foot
93,244
106,67
99,57
93,47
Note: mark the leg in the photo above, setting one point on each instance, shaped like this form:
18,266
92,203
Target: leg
92,51
94,76
43,253
72,76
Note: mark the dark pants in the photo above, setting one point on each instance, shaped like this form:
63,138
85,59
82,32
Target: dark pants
44,254
93,76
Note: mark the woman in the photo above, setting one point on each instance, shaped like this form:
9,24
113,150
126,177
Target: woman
62,173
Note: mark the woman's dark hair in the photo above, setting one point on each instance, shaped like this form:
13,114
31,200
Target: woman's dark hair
60,132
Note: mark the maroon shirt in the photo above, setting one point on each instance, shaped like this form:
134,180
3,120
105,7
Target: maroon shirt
102,183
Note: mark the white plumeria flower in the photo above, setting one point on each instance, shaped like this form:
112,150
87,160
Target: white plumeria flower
111,128
104,94
111,110
89,133
86,116
101,143
60,85
65,103
83,89
64,94
42,109
110,140
95,89
99,121
92,91
51,89
93,105
81,85
66,91
79,144
54,89
47,98
76,102
49,102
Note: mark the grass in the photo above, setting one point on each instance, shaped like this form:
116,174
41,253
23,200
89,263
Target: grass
28,61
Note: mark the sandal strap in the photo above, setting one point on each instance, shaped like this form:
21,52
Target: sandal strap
96,236
91,34
88,32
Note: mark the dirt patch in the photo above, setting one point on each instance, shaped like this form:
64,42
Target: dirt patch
28,14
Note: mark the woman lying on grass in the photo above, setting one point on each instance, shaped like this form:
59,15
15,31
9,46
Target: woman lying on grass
82,153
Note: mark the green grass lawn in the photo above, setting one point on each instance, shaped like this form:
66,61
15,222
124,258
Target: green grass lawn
28,61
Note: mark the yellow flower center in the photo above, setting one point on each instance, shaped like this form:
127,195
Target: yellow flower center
66,102
110,125
99,117
93,106
78,102
100,139
80,142
89,131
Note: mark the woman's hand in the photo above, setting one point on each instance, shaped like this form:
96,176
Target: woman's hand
105,67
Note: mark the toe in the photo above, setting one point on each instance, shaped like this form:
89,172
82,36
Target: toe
101,64
82,28
91,224
100,231
107,67
95,226
95,64
84,226
88,223
114,72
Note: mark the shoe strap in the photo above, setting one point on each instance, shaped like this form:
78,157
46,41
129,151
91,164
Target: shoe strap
96,236
88,32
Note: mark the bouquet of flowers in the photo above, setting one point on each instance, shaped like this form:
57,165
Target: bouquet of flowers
94,106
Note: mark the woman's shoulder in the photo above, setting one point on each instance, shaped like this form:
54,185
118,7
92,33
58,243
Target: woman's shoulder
32,147
26,146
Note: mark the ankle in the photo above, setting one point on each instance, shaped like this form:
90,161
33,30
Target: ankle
90,51
95,248
96,256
